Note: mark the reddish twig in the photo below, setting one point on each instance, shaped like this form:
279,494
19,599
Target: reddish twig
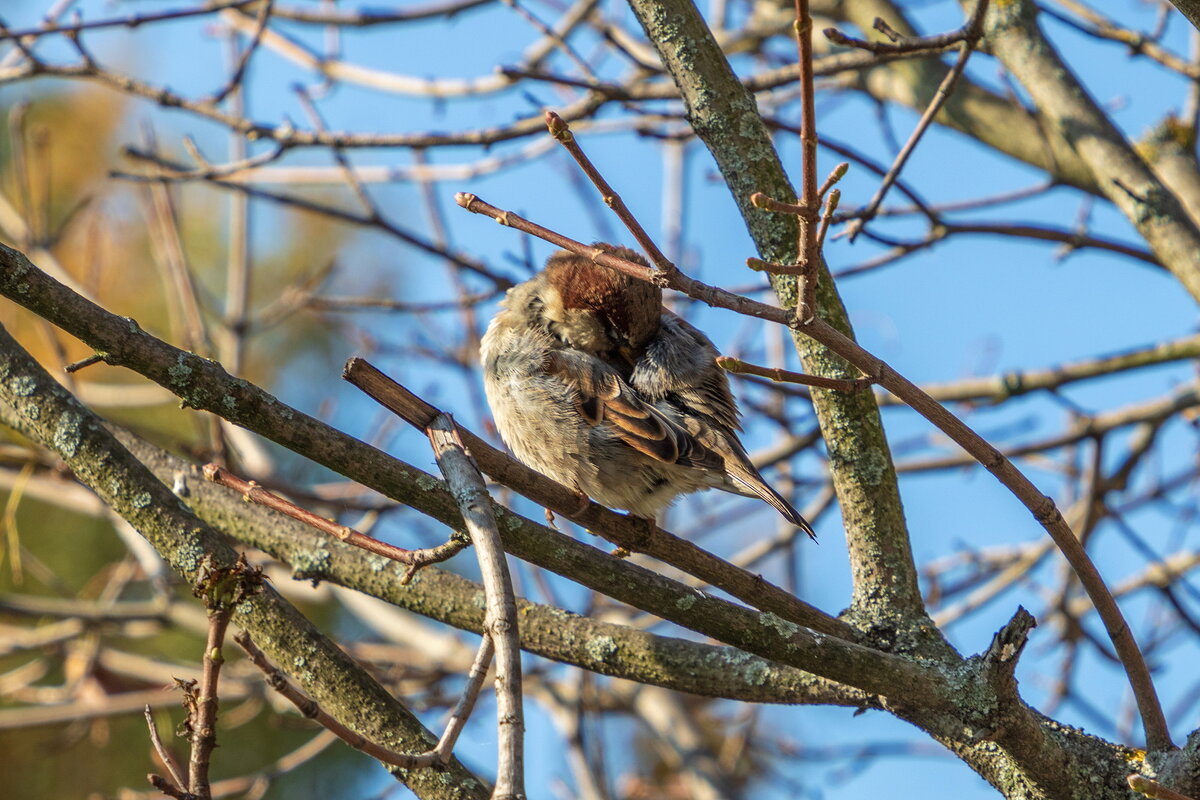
831,205
672,278
739,367
1042,507
562,132
415,559
807,248
221,589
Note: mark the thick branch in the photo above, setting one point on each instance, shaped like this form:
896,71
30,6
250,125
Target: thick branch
1122,175
553,633
34,403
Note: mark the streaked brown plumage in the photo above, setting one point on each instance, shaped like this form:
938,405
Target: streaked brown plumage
595,384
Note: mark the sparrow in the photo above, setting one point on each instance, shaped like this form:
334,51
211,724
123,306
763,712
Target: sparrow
595,384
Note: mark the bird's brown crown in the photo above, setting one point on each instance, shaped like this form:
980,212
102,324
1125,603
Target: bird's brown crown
630,306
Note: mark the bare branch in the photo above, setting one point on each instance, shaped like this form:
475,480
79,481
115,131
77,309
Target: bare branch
414,559
467,486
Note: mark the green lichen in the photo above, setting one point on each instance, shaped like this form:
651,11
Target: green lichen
24,386
756,673
685,602
180,372
601,648
783,628
68,432
311,564
189,555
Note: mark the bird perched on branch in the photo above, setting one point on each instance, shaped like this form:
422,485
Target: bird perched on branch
593,383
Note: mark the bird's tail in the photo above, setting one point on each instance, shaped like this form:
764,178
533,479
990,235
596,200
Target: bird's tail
748,481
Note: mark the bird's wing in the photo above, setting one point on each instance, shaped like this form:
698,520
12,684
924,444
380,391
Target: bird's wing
677,367
604,398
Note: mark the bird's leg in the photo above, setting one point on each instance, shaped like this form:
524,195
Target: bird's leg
584,502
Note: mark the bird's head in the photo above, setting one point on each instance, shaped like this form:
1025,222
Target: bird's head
595,308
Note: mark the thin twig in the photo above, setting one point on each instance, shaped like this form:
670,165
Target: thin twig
1042,507
831,205
131,21
466,702
972,31
562,132
309,708
672,278
807,247
737,366
168,788
415,559
234,320
165,755
235,79
221,590
75,366
936,42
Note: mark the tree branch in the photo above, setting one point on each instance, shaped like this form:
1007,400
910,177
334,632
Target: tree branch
34,403
1123,177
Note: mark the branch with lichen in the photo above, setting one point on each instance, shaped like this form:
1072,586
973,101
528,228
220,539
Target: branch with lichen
603,647
36,405
413,559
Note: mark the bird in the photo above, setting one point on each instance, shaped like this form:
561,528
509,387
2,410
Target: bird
593,383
